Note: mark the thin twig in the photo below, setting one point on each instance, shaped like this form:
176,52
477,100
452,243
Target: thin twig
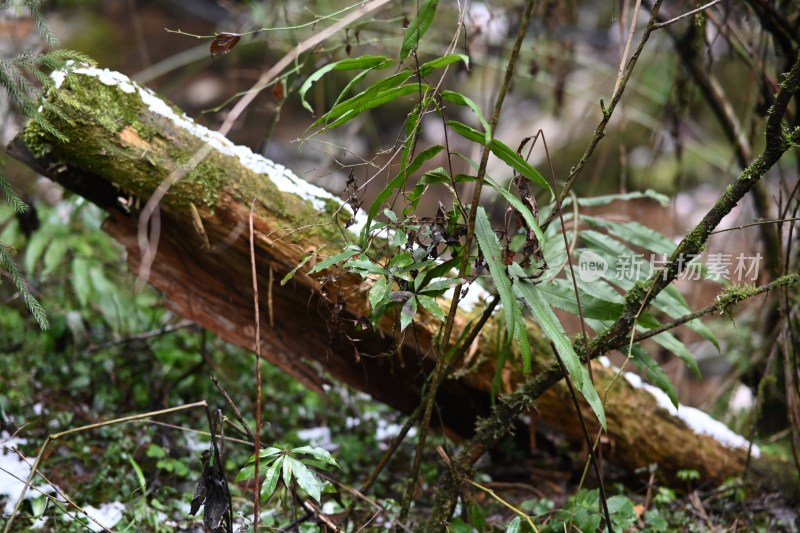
599,131
724,304
687,14
233,406
757,223
266,79
494,495
574,395
257,440
183,324
198,432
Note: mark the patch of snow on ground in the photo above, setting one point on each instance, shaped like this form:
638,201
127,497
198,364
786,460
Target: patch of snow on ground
13,473
108,514
386,430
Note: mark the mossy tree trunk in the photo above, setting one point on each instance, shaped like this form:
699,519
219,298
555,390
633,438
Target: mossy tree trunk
120,144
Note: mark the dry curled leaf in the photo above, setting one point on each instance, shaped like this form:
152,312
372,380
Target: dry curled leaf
278,91
224,43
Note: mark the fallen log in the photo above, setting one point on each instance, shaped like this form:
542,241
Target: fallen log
124,143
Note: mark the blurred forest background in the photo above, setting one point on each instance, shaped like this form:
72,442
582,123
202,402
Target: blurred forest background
691,119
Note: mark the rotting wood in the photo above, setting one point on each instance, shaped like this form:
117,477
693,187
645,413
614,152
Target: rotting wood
120,146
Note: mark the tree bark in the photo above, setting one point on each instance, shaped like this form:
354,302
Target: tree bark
121,144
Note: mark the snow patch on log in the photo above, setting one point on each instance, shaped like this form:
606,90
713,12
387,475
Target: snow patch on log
283,178
698,421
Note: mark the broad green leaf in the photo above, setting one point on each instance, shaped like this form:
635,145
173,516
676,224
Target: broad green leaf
399,261
555,332
399,238
440,270
347,253
54,255
561,296
378,292
249,470
515,526
288,470
271,477
408,312
362,266
460,99
490,247
439,62
417,265
363,62
320,454
623,515
9,231
441,285
504,153
266,453
306,479
417,28
391,215
350,109
654,372
607,199
431,306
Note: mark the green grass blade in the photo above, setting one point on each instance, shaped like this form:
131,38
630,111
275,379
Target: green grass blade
555,332
504,153
417,28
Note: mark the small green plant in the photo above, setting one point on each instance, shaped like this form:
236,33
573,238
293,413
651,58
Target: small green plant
582,513
292,467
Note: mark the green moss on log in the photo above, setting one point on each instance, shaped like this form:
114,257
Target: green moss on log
115,135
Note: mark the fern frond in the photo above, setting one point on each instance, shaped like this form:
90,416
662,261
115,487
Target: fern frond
8,191
9,74
36,309
35,116
57,58
32,6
